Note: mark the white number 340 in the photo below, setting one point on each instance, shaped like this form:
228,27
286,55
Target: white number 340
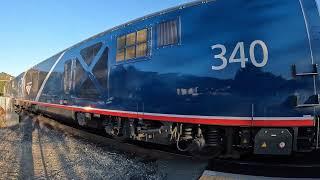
242,60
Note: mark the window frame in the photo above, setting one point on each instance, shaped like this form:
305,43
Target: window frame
148,43
179,33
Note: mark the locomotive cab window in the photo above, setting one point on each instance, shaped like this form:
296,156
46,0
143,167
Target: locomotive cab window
168,33
132,46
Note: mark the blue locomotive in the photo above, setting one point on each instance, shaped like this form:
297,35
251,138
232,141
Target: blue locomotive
210,77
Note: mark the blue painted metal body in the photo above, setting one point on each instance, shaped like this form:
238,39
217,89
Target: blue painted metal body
179,79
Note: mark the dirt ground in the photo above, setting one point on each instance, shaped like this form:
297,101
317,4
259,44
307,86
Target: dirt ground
30,151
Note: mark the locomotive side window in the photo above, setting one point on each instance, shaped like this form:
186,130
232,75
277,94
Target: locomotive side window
131,39
121,45
133,45
141,49
130,52
168,33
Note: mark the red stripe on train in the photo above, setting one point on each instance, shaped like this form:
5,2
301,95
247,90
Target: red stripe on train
283,123
208,120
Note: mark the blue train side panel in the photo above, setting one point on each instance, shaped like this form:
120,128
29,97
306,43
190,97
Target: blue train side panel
180,80
242,59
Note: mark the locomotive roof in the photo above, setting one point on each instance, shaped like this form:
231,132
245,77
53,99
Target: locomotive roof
165,11
182,6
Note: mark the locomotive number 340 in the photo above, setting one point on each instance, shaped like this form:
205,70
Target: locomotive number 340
242,60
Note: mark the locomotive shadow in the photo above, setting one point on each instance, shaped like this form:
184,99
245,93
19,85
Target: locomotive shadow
26,162
37,126
64,165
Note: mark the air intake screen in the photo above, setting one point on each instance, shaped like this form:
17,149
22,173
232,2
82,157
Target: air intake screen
168,33
89,53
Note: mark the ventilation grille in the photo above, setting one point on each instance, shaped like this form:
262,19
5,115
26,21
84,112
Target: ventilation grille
168,33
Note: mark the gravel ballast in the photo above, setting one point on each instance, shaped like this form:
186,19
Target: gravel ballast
32,151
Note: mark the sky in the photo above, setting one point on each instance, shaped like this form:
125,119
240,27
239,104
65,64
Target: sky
34,30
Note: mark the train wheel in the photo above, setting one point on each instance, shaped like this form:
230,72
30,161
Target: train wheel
81,119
